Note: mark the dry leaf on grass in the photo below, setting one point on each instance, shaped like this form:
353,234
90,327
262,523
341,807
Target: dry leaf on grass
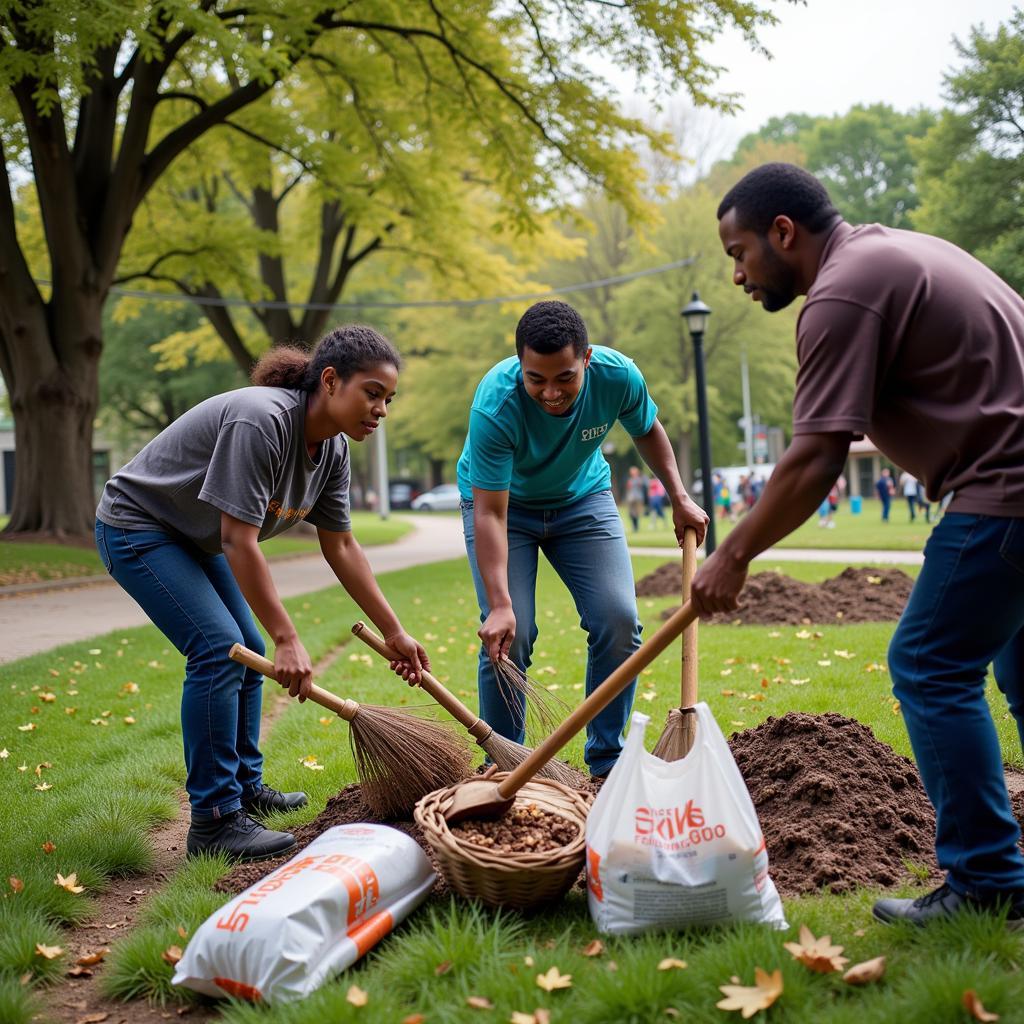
182,930
91,959
479,1002
172,954
443,968
973,1005
48,847
70,883
49,952
866,972
357,996
415,1018
749,999
553,979
542,1016
16,883
818,955
79,972
671,963
593,948
43,786
522,1018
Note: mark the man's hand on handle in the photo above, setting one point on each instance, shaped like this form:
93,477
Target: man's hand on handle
498,632
687,513
414,660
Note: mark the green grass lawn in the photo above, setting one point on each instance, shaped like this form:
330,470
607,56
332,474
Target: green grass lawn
33,563
864,531
110,782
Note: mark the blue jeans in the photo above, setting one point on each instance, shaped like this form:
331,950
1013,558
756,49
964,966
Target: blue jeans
586,544
966,612
193,599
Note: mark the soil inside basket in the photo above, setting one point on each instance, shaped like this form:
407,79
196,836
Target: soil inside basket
527,828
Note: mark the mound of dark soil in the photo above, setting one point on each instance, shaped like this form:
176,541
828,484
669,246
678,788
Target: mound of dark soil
855,595
838,807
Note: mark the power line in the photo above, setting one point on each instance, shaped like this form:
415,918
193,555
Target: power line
202,300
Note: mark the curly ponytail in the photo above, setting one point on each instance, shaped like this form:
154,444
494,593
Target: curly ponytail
349,349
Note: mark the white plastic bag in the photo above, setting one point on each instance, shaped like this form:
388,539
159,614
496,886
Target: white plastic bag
670,844
311,918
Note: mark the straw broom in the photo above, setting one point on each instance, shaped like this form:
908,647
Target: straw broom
680,732
399,757
505,753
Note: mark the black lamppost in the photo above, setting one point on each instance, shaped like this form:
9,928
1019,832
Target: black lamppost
696,316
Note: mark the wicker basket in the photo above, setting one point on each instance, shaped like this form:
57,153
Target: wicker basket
519,880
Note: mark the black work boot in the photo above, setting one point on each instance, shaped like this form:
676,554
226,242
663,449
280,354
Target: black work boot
267,800
944,902
237,836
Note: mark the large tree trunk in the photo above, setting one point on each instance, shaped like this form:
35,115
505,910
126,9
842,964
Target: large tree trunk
53,399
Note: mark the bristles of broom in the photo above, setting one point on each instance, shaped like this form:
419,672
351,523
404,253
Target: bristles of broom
400,757
543,709
678,736
507,754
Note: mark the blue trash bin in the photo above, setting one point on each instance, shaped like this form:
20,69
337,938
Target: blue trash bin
856,503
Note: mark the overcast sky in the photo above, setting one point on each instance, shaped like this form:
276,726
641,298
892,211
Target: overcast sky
831,54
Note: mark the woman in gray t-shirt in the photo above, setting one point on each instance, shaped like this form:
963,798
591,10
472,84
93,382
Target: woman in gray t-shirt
179,529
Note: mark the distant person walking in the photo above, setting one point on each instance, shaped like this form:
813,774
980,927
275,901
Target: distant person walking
909,486
636,494
885,488
656,495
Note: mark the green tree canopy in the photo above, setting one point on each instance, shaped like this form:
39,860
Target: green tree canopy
971,164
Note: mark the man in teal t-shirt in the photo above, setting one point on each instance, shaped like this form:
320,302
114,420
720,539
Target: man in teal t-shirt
533,478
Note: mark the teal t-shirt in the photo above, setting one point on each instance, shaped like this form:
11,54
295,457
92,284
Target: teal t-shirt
547,461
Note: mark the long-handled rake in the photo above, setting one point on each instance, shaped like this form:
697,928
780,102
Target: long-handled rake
677,738
505,753
399,757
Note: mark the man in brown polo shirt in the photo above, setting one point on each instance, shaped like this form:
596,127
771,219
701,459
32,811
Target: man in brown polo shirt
911,340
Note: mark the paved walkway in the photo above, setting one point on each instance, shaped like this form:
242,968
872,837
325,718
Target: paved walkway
38,619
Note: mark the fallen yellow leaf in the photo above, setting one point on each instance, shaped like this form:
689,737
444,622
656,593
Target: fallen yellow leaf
818,955
479,1002
357,996
522,1018
27,728
91,959
865,972
593,948
43,786
749,999
671,963
50,952
973,1005
172,954
553,979
70,883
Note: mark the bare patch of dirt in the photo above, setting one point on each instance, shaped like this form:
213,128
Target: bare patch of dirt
855,595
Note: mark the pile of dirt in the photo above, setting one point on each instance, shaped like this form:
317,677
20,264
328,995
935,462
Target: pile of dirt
838,807
855,595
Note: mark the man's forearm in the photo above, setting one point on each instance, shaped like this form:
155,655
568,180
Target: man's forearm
490,533
656,450
799,484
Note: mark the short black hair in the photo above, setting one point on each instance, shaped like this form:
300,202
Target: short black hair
550,326
777,189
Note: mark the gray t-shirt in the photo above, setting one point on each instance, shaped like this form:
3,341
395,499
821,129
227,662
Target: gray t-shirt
243,453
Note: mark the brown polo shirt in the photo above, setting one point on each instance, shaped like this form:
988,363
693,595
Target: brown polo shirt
910,340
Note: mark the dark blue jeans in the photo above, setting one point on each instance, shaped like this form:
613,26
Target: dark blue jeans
586,544
966,612
193,599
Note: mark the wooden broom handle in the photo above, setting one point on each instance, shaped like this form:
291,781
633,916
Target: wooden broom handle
427,682
598,700
342,708
689,674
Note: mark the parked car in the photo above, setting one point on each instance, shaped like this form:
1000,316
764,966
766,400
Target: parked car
402,492
442,498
